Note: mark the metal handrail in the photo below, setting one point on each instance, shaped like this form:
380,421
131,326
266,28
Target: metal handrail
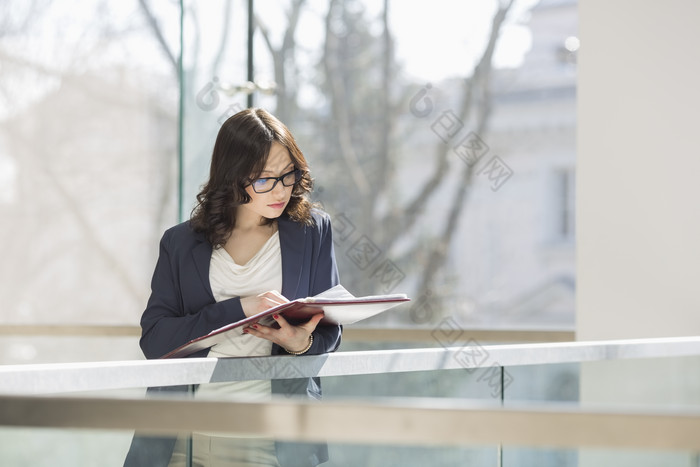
91,376
431,422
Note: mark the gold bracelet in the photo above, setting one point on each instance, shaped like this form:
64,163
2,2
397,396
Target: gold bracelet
306,349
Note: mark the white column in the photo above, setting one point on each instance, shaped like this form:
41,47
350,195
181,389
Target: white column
638,200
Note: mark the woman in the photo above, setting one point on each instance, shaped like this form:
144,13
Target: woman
253,242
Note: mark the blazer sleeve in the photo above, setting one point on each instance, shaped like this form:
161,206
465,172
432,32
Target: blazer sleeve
174,316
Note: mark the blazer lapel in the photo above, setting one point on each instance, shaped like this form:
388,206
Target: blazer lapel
293,247
201,254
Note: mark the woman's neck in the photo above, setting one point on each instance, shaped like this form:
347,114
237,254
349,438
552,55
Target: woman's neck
249,221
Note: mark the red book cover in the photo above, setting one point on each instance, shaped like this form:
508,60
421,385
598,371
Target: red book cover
337,304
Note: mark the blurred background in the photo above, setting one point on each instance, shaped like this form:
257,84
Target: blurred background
471,154
441,138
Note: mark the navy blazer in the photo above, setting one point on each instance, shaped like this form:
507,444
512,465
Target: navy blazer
182,307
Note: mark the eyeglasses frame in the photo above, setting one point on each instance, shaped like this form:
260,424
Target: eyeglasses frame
297,178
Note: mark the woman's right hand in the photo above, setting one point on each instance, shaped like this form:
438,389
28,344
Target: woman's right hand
259,303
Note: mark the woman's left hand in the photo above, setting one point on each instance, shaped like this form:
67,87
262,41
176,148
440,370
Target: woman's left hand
290,337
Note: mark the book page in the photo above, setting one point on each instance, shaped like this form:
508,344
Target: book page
339,293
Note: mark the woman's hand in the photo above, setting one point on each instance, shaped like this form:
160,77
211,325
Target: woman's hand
259,303
292,338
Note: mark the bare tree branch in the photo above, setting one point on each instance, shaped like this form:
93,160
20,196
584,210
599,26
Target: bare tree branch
385,170
341,110
403,222
159,36
286,95
480,81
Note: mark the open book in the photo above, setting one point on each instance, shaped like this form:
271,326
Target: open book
337,304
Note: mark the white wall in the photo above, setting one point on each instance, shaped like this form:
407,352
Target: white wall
638,163
638,195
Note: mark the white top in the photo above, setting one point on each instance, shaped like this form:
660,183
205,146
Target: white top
228,280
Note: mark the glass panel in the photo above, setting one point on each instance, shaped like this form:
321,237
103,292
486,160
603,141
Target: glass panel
542,383
445,180
641,458
44,447
665,383
479,384
558,383
375,388
482,384
49,447
644,384
624,385
88,158
410,456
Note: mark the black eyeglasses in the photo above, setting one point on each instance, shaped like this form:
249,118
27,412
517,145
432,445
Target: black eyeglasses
263,185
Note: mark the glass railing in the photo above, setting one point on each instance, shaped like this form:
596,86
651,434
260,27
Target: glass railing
628,402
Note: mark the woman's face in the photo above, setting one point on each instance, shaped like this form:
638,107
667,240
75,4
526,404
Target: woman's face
271,204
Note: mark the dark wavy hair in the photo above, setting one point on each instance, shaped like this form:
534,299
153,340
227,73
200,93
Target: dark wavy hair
239,157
